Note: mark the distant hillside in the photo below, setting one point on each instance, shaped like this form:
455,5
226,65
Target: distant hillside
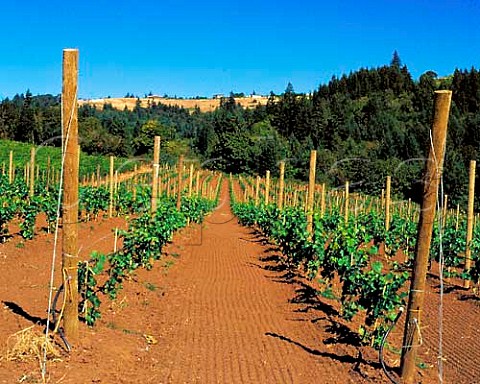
205,105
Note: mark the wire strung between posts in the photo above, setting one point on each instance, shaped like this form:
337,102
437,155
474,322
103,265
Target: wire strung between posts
441,261
57,224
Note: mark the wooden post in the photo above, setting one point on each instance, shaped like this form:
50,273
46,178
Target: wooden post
267,187
427,216
387,203
190,181
111,180
347,200
457,221
115,187
445,211
134,190
197,183
98,175
70,196
471,200
156,168
180,182
281,186
32,172
257,191
322,201
10,168
311,191
115,240
48,171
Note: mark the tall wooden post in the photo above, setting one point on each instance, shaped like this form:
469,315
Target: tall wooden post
471,199
433,172
311,191
387,203
281,185
70,194
180,182
112,181
267,187
156,168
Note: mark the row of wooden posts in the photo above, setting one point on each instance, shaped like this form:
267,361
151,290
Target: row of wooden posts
263,189
139,175
426,219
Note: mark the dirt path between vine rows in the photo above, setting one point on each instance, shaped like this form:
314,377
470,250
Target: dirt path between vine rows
218,308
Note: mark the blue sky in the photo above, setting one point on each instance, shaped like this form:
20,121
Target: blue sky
189,48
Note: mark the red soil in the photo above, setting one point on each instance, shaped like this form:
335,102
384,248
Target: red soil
217,308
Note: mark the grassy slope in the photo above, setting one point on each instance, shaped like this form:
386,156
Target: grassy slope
88,163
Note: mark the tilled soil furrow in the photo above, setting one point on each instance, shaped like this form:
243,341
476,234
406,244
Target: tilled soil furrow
235,323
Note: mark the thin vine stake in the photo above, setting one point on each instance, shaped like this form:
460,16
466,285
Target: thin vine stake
115,239
387,203
434,166
322,201
311,191
197,183
155,171
281,186
347,200
180,179
445,211
99,178
257,191
190,181
470,219
10,168
32,172
267,188
457,220
134,189
111,180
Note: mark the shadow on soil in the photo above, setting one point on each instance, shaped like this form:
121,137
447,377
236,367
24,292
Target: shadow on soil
18,310
307,299
356,361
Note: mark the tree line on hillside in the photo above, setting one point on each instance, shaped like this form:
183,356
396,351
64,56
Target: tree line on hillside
365,125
